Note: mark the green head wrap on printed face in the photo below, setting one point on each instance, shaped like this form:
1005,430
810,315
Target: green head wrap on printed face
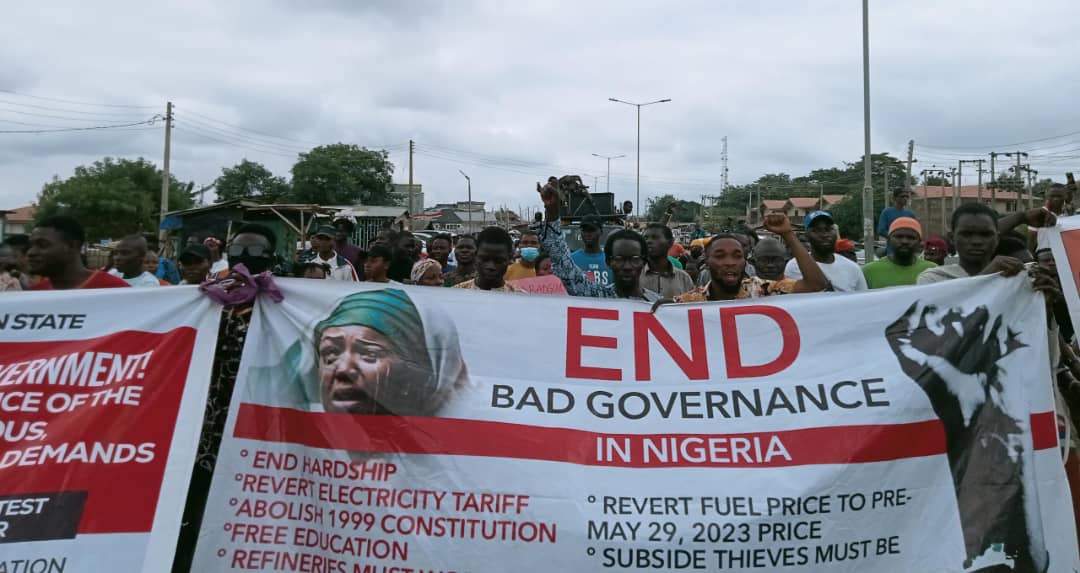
387,311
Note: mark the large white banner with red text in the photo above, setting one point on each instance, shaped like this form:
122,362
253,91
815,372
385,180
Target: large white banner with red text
102,394
1064,241
421,429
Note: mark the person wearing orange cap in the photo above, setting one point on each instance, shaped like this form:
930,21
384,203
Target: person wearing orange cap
903,265
846,249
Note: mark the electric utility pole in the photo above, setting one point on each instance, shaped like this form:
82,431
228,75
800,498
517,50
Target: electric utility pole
165,172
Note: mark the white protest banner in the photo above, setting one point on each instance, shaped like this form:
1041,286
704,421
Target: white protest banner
1065,243
424,429
102,394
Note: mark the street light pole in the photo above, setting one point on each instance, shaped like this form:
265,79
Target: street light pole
468,183
869,238
609,166
639,106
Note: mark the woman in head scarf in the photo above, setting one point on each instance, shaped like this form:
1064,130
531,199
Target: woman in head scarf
427,272
374,354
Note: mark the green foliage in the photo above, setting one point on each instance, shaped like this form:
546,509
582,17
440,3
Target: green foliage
848,214
846,180
343,174
250,180
682,211
113,197
1009,181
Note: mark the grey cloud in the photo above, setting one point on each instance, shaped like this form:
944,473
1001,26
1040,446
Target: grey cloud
511,92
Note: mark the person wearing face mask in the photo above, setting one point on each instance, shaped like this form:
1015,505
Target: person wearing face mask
529,249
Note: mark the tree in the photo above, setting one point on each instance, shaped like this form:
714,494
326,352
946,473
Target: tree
849,181
250,180
343,174
113,197
1009,181
682,211
773,185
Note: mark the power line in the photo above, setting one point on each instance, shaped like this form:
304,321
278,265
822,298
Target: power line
50,116
542,171
232,140
51,126
204,135
68,110
232,135
999,146
483,160
263,133
236,135
73,102
305,143
91,128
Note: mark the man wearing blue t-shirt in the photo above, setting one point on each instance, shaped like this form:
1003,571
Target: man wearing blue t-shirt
591,257
901,198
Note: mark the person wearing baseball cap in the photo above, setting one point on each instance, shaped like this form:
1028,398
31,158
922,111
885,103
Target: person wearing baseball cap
843,274
323,252
903,265
195,264
846,249
935,249
591,258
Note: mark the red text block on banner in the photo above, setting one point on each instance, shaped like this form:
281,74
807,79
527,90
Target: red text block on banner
94,416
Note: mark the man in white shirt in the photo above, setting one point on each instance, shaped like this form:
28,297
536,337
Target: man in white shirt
843,274
322,252
128,258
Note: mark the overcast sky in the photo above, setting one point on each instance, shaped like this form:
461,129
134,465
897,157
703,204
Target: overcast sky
513,91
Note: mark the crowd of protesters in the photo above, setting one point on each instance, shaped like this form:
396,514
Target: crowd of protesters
644,263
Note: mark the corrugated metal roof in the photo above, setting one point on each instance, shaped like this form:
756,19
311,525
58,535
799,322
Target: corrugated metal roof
371,211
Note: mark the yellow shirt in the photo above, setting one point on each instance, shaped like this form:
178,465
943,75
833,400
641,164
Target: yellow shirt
518,271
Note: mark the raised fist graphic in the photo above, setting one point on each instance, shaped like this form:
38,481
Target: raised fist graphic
954,357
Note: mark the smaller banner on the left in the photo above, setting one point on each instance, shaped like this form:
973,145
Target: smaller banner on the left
102,396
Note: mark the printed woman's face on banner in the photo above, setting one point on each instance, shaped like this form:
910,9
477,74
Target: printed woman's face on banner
360,373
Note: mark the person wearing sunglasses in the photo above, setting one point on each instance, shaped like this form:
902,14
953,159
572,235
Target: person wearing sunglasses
253,246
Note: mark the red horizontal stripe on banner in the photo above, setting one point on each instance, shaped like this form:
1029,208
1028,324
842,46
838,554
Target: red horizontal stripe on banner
450,436
421,435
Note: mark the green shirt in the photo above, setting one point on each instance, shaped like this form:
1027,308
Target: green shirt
884,273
